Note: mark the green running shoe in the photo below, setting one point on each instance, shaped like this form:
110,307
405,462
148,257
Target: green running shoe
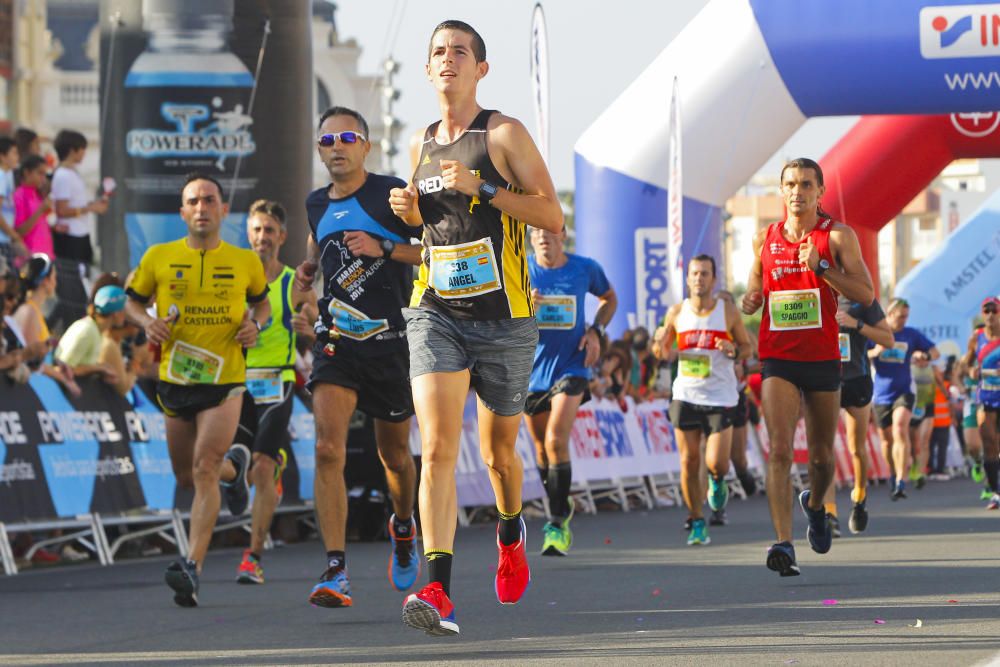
718,493
978,474
985,494
699,533
556,540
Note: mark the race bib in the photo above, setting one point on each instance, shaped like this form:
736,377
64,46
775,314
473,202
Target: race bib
989,379
556,311
845,346
265,385
795,310
192,365
464,270
352,323
695,365
895,354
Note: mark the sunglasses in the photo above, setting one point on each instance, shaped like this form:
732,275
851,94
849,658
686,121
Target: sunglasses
348,137
990,308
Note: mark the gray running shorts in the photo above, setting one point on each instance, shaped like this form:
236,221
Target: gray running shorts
498,353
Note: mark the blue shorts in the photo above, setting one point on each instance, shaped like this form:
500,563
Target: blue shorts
498,353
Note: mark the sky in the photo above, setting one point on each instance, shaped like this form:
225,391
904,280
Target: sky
596,48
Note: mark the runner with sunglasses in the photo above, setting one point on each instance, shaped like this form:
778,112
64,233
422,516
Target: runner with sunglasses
478,181
360,354
894,390
983,361
800,265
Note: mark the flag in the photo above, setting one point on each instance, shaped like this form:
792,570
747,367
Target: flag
675,202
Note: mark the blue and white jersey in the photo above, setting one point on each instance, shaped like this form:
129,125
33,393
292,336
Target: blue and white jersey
560,316
362,296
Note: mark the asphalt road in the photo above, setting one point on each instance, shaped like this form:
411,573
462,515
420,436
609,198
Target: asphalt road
631,592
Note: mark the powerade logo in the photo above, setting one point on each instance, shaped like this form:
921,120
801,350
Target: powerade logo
224,135
960,31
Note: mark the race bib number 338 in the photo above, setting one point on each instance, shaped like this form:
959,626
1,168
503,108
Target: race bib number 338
464,270
795,310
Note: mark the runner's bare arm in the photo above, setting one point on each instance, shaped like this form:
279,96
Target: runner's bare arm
853,279
305,272
969,359
665,334
518,160
404,200
753,298
361,243
879,333
739,332
607,304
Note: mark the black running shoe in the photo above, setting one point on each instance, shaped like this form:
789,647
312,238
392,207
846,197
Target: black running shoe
819,534
237,492
921,482
748,482
834,525
898,492
781,559
859,517
182,577
718,517
688,523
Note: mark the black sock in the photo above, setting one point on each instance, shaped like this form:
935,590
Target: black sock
543,473
992,469
402,529
336,560
439,569
509,528
560,480
256,557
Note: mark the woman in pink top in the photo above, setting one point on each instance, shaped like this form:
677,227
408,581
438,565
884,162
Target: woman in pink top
30,208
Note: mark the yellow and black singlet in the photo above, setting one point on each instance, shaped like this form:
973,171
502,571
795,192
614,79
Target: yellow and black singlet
475,262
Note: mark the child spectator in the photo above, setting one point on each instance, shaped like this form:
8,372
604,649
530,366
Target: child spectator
31,208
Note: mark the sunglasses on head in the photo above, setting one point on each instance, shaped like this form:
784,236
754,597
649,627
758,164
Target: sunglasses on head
348,137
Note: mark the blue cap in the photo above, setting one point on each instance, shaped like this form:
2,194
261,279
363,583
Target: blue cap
109,300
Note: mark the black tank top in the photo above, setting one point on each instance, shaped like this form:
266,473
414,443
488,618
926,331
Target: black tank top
475,260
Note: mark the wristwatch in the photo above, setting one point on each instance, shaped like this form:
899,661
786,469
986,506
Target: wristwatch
387,245
599,328
821,268
487,191
858,328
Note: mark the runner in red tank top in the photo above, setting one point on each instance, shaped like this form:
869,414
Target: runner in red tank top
799,266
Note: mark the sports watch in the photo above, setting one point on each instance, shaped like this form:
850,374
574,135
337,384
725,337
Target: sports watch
387,245
487,191
821,268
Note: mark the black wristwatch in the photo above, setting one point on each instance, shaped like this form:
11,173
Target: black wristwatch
487,191
387,245
599,328
858,328
821,268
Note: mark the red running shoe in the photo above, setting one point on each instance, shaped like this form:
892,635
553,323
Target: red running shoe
513,575
430,610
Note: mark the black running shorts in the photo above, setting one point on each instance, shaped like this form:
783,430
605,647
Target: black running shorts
708,419
382,381
808,376
187,400
541,401
857,392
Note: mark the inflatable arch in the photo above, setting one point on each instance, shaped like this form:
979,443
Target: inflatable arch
750,73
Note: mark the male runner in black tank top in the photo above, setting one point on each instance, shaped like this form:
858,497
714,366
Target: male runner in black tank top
478,180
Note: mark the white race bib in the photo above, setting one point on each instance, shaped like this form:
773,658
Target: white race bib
464,270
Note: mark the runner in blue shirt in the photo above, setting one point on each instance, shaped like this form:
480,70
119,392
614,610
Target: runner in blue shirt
567,348
894,389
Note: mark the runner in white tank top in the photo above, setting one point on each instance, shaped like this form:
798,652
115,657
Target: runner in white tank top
710,336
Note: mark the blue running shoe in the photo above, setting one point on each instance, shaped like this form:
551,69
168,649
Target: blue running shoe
333,590
404,564
699,533
819,532
781,559
182,577
718,493
237,492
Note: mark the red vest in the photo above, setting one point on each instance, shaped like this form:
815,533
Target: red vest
799,321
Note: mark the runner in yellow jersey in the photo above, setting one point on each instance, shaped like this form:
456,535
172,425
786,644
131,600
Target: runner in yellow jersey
210,303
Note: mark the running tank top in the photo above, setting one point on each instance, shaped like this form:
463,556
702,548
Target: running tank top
988,355
275,347
705,375
800,310
475,261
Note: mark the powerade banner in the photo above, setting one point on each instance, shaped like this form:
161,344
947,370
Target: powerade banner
933,56
181,93
64,456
